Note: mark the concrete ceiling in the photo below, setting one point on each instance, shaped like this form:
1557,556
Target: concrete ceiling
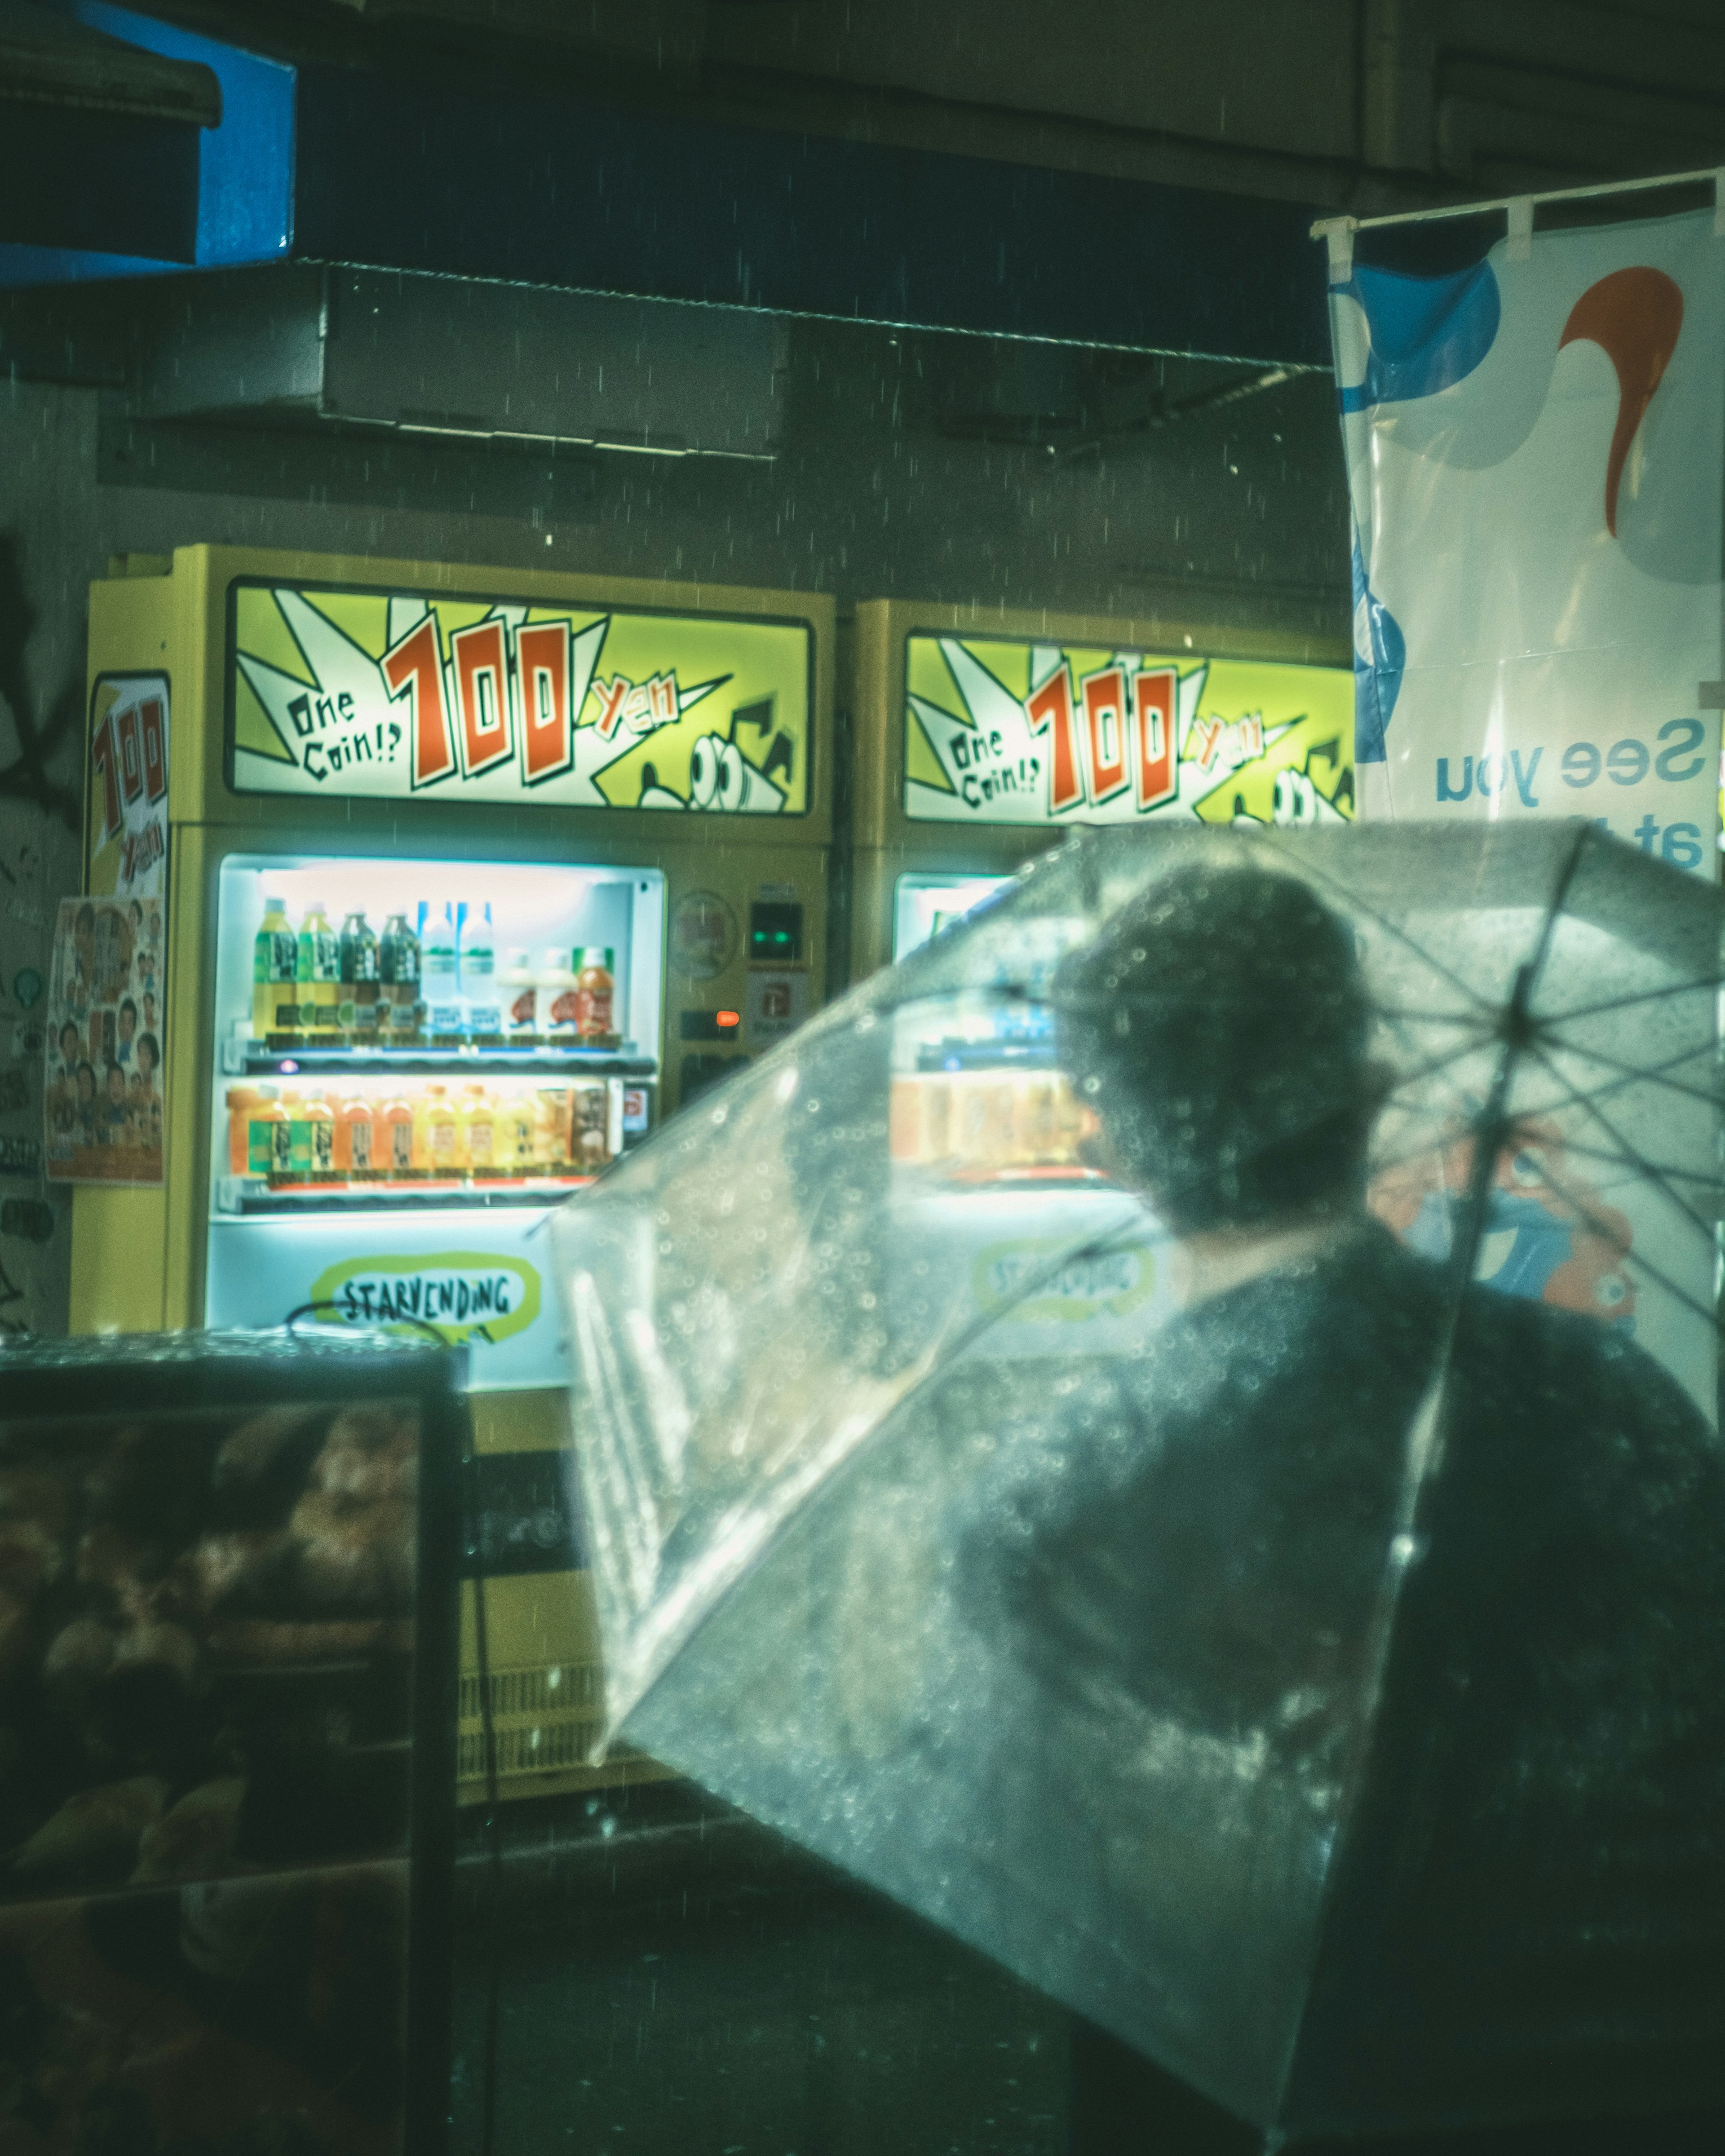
1358,105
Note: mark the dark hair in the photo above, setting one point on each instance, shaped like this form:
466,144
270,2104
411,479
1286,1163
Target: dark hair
127,1004
69,1025
1219,1026
85,1069
86,917
149,1041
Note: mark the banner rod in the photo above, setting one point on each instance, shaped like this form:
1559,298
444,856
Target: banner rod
1324,225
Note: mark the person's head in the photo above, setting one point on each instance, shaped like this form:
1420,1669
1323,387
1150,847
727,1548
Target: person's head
84,924
86,1082
1218,1027
149,1054
117,1085
70,1044
135,913
128,1018
135,1086
149,1012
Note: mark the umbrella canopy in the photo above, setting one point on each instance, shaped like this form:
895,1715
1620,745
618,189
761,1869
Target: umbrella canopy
1174,1434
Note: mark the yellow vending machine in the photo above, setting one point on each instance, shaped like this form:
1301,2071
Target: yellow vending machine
980,738
471,875
977,742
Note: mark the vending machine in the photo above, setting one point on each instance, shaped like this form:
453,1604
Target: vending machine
978,742
980,738
430,889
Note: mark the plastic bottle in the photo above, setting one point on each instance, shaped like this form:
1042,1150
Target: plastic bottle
595,999
356,1139
293,1139
395,1149
434,1134
356,1010
478,1146
515,1134
589,1122
267,1118
554,1019
476,967
242,1102
320,1120
398,978
518,994
439,983
319,970
276,972
551,1129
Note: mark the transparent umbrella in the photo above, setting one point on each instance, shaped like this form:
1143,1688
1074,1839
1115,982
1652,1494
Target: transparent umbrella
1174,1434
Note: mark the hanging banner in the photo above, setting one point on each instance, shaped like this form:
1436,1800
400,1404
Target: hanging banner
1005,732
385,694
105,1079
1535,438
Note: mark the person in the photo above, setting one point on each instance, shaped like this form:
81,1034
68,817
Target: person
148,1052
1540,1835
86,1111
128,1028
71,1047
114,1128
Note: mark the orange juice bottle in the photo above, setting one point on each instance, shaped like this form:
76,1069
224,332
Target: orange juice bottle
515,1134
293,1143
355,1133
320,1136
478,1144
435,1132
266,1134
394,1152
242,1103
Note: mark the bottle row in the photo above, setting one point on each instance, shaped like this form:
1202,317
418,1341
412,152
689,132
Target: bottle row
987,1119
425,1133
438,984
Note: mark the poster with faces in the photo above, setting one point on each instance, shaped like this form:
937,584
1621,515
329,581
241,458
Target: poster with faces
105,1083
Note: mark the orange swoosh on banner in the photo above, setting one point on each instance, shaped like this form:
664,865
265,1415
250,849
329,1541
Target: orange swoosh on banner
1634,316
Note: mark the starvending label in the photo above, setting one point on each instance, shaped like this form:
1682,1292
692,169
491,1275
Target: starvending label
1000,731
458,1293
384,695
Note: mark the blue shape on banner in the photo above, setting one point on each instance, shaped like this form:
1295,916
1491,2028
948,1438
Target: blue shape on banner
1427,332
1380,654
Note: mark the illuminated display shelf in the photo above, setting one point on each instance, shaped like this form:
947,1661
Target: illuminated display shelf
253,1059
250,1195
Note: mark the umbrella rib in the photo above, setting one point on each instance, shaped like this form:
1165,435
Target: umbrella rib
1603,1228
1437,1064
1517,1032
1630,1152
1652,1074
1359,904
1710,1178
1404,1016
1714,982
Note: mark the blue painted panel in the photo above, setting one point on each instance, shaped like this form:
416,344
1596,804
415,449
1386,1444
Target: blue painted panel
246,165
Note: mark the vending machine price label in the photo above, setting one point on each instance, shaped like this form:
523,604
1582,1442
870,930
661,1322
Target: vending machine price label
386,695
999,731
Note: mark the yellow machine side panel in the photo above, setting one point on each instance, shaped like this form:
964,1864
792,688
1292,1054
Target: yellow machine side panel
521,1422
548,1692
119,1242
